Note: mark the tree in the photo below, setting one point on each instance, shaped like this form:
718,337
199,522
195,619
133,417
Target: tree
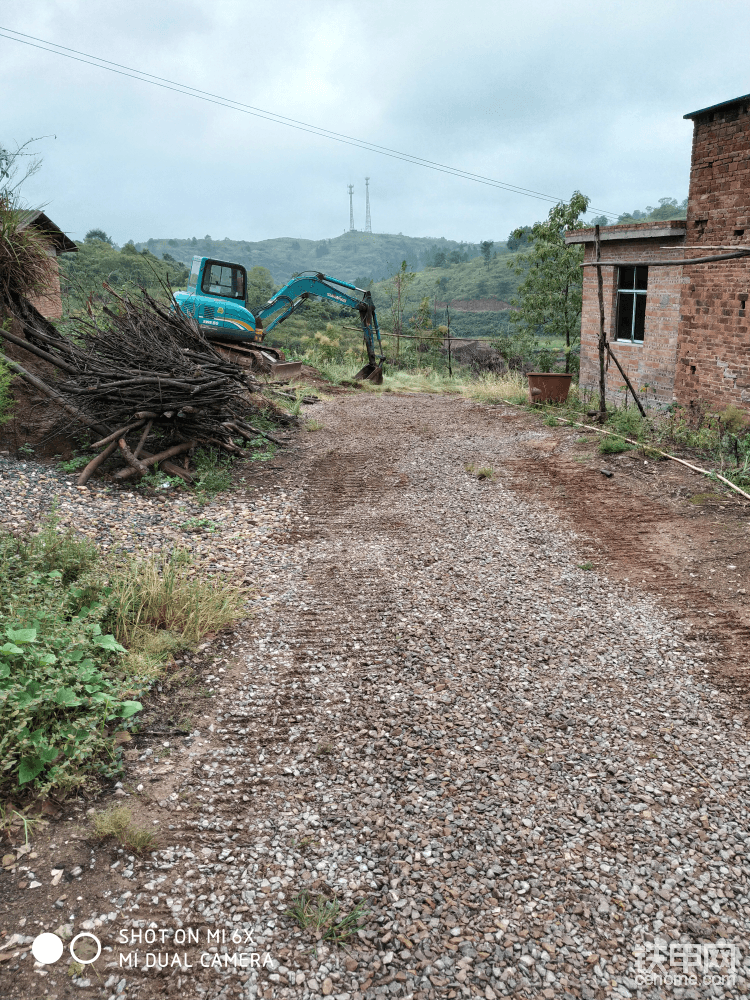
260,288
421,324
440,289
549,297
486,247
518,238
398,289
11,162
668,209
98,234
600,220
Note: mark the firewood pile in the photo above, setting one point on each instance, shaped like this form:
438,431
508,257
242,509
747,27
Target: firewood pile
145,381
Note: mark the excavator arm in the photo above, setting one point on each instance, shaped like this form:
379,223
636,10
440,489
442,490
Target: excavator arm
312,284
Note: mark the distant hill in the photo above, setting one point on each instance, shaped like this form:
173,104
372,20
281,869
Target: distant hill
477,294
357,257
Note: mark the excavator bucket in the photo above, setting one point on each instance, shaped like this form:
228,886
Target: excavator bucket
370,373
286,370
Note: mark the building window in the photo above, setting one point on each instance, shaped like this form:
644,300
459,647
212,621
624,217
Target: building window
632,283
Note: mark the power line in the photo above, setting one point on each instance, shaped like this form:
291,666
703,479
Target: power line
182,88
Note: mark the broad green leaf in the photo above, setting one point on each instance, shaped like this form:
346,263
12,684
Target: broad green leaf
29,768
67,696
11,649
110,643
129,708
4,671
21,635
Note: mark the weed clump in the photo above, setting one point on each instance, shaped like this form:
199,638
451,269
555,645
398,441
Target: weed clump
117,822
323,917
161,595
481,472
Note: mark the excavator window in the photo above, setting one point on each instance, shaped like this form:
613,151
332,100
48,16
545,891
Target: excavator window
224,280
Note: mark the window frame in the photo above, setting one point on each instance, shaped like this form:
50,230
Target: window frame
223,263
633,294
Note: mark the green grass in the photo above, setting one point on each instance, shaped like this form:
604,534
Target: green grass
202,524
117,823
6,399
613,446
213,472
80,643
162,595
324,917
75,463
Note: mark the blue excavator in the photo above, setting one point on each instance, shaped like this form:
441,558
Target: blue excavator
216,297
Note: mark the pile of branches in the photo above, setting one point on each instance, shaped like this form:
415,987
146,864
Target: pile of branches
144,372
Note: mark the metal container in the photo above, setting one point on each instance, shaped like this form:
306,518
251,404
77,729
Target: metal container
548,387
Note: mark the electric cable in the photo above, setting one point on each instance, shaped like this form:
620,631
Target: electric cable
181,88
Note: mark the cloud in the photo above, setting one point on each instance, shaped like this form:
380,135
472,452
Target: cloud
552,97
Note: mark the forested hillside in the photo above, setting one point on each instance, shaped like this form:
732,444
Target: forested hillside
358,257
97,261
453,284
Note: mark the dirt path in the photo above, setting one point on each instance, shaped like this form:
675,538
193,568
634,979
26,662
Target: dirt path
507,718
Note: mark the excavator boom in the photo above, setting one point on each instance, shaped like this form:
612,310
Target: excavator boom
314,284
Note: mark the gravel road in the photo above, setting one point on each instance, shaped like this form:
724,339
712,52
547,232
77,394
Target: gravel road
520,769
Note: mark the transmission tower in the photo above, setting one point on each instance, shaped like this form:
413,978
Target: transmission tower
351,209
368,222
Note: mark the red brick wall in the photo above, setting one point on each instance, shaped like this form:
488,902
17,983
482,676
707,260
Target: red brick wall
49,303
652,363
714,340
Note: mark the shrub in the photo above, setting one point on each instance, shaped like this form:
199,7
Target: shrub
614,446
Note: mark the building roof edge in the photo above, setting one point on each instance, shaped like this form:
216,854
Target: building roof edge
715,107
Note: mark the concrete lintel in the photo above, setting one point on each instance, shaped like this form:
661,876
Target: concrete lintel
587,236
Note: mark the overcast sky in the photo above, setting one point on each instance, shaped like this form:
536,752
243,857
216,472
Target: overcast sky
551,96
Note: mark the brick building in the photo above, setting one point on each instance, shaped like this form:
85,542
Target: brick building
49,301
681,332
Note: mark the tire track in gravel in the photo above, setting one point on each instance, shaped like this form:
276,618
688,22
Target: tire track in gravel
641,535
521,768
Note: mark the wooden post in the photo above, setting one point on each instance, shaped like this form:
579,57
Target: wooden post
602,334
448,315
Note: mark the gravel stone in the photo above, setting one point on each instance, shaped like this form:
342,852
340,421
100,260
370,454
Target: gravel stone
519,767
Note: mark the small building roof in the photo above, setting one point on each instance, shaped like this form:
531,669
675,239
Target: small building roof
715,107
57,238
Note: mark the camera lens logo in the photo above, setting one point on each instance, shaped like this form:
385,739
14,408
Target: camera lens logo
48,948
